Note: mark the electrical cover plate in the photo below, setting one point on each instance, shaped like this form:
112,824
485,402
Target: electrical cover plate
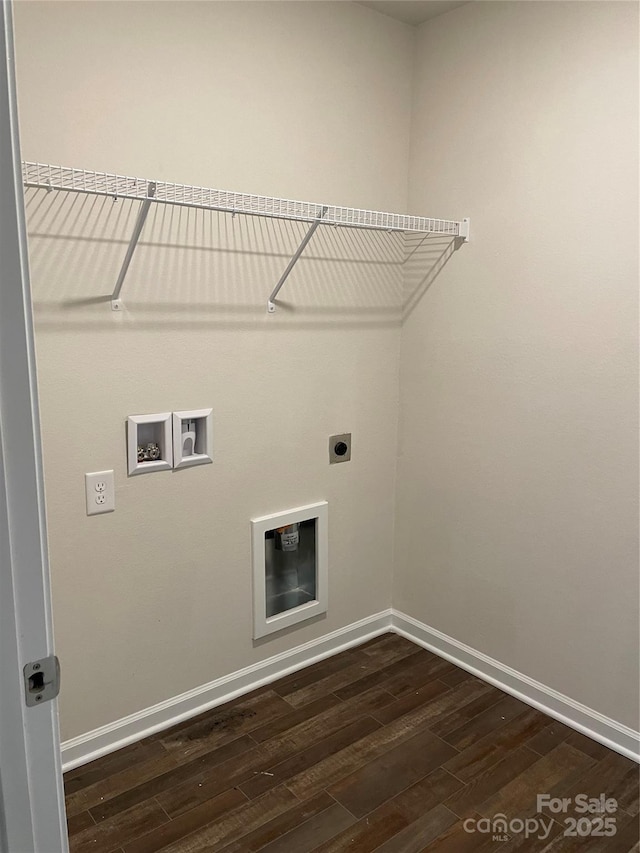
340,448
99,492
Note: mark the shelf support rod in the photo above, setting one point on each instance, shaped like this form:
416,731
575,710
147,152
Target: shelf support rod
116,304
271,303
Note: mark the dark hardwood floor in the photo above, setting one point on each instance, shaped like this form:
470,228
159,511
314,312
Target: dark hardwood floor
384,747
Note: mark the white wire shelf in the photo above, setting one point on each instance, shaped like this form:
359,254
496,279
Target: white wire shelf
66,179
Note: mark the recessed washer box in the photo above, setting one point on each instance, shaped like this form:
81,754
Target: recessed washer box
149,445
290,567
192,438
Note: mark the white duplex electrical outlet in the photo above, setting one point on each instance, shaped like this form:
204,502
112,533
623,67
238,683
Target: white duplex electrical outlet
100,492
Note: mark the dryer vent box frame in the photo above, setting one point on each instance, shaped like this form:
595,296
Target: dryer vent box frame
290,558
149,443
192,438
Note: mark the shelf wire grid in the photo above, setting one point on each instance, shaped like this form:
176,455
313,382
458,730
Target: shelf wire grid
45,176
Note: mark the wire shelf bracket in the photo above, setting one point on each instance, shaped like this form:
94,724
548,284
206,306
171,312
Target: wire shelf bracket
66,179
271,302
116,304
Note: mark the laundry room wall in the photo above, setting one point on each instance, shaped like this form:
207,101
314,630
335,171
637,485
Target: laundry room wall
296,100
517,513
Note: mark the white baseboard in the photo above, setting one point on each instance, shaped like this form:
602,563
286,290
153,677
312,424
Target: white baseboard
603,729
136,726
93,744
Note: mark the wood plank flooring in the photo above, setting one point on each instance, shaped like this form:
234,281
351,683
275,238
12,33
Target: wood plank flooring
385,748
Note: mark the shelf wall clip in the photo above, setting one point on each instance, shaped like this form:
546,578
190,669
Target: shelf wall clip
116,304
271,303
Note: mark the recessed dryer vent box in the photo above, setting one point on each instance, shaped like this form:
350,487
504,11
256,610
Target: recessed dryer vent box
290,567
192,438
149,446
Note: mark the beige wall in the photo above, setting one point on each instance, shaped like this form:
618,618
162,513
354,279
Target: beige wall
302,100
516,523
517,513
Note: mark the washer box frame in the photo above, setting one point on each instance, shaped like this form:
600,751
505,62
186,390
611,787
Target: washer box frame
263,625
162,422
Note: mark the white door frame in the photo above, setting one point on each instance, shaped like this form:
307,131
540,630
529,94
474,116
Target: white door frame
32,817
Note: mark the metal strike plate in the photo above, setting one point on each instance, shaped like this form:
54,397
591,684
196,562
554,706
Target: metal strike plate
340,448
41,680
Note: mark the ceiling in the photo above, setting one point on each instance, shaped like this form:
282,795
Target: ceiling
412,11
